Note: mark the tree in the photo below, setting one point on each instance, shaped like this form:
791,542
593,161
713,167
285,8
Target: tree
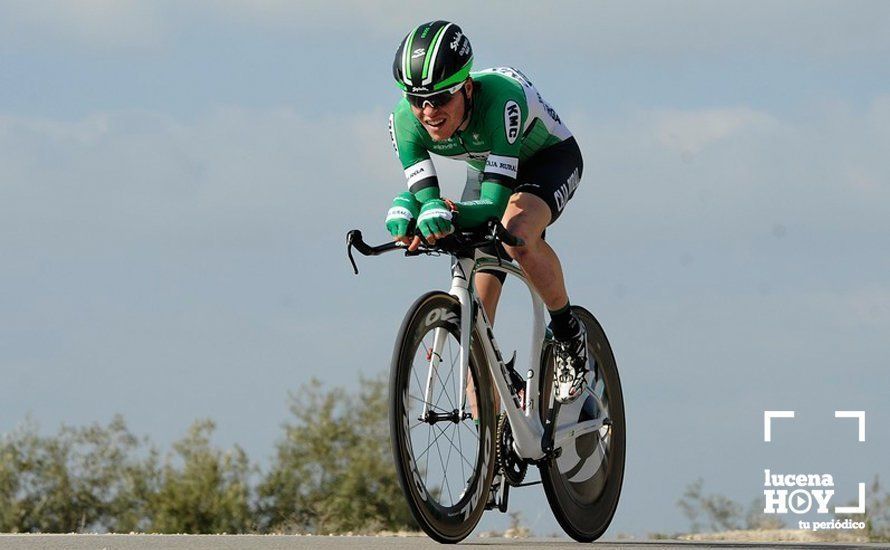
877,513
720,513
334,471
78,480
208,493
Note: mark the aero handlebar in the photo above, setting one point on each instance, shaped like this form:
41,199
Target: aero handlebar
492,232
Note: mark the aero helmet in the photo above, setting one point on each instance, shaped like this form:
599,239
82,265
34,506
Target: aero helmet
433,57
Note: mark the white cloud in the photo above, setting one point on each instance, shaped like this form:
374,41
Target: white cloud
697,175
708,175
94,24
689,132
610,30
235,172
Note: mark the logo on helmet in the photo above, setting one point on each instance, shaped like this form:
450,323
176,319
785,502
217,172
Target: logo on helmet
419,52
456,42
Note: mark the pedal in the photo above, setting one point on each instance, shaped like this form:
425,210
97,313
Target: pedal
499,496
504,498
494,492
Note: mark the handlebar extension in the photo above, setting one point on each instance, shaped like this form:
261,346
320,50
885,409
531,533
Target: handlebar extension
494,232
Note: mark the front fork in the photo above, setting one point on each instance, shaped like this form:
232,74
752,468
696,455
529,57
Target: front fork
460,271
434,357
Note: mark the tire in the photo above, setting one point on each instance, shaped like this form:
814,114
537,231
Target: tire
446,491
584,483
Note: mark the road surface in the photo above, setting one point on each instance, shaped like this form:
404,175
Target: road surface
282,542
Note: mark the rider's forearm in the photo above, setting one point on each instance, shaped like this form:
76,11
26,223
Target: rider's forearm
491,204
427,194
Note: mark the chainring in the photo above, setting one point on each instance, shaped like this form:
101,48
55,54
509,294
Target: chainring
513,467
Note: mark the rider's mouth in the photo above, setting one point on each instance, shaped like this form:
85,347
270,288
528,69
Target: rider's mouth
435,123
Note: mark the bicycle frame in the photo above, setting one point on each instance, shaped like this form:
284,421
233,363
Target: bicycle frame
532,440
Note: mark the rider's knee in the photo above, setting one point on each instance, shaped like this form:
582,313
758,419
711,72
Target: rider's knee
530,237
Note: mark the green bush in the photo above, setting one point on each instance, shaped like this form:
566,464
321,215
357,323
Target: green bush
202,490
80,479
332,473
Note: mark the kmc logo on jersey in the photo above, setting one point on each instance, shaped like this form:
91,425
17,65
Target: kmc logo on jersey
511,121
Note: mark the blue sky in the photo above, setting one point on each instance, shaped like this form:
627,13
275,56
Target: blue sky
176,180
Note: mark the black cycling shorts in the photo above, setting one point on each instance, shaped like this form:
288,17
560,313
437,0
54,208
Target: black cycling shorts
551,174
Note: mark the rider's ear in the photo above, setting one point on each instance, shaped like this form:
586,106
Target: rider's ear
469,87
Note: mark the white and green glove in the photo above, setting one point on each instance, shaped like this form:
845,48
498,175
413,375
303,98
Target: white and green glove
435,219
404,209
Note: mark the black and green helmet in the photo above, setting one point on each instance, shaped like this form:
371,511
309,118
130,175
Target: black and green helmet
433,57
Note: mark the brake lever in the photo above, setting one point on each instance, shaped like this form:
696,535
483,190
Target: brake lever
495,237
350,237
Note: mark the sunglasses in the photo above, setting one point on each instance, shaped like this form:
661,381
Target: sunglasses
436,100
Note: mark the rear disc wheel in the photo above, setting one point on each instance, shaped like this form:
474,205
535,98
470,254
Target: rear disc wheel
584,483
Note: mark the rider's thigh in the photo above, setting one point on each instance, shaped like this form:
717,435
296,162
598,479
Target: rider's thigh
488,286
526,216
553,175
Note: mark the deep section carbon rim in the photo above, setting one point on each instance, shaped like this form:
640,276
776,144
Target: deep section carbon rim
445,460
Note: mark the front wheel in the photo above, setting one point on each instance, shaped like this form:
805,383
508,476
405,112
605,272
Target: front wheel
445,459
583,484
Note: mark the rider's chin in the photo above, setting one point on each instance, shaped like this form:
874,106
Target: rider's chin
440,132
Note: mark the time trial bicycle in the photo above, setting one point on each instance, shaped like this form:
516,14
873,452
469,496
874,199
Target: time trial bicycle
448,440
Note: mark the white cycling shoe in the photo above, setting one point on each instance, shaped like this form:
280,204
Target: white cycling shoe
572,366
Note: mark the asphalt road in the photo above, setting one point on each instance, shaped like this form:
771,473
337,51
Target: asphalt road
280,542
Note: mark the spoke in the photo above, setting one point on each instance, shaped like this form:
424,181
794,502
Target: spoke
444,471
430,404
420,387
447,462
475,434
425,451
451,442
463,473
444,386
426,471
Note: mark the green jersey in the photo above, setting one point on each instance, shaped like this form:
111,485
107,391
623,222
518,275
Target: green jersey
509,123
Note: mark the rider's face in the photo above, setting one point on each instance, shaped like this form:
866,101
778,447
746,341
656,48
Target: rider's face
441,122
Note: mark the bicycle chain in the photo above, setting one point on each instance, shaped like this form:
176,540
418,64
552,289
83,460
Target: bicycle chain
513,467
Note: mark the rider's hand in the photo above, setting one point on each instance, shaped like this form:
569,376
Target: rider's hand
434,221
404,209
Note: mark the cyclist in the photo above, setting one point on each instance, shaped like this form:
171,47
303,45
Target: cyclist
523,166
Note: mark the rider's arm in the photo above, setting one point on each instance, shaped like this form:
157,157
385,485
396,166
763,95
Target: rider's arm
491,204
501,167
419,170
